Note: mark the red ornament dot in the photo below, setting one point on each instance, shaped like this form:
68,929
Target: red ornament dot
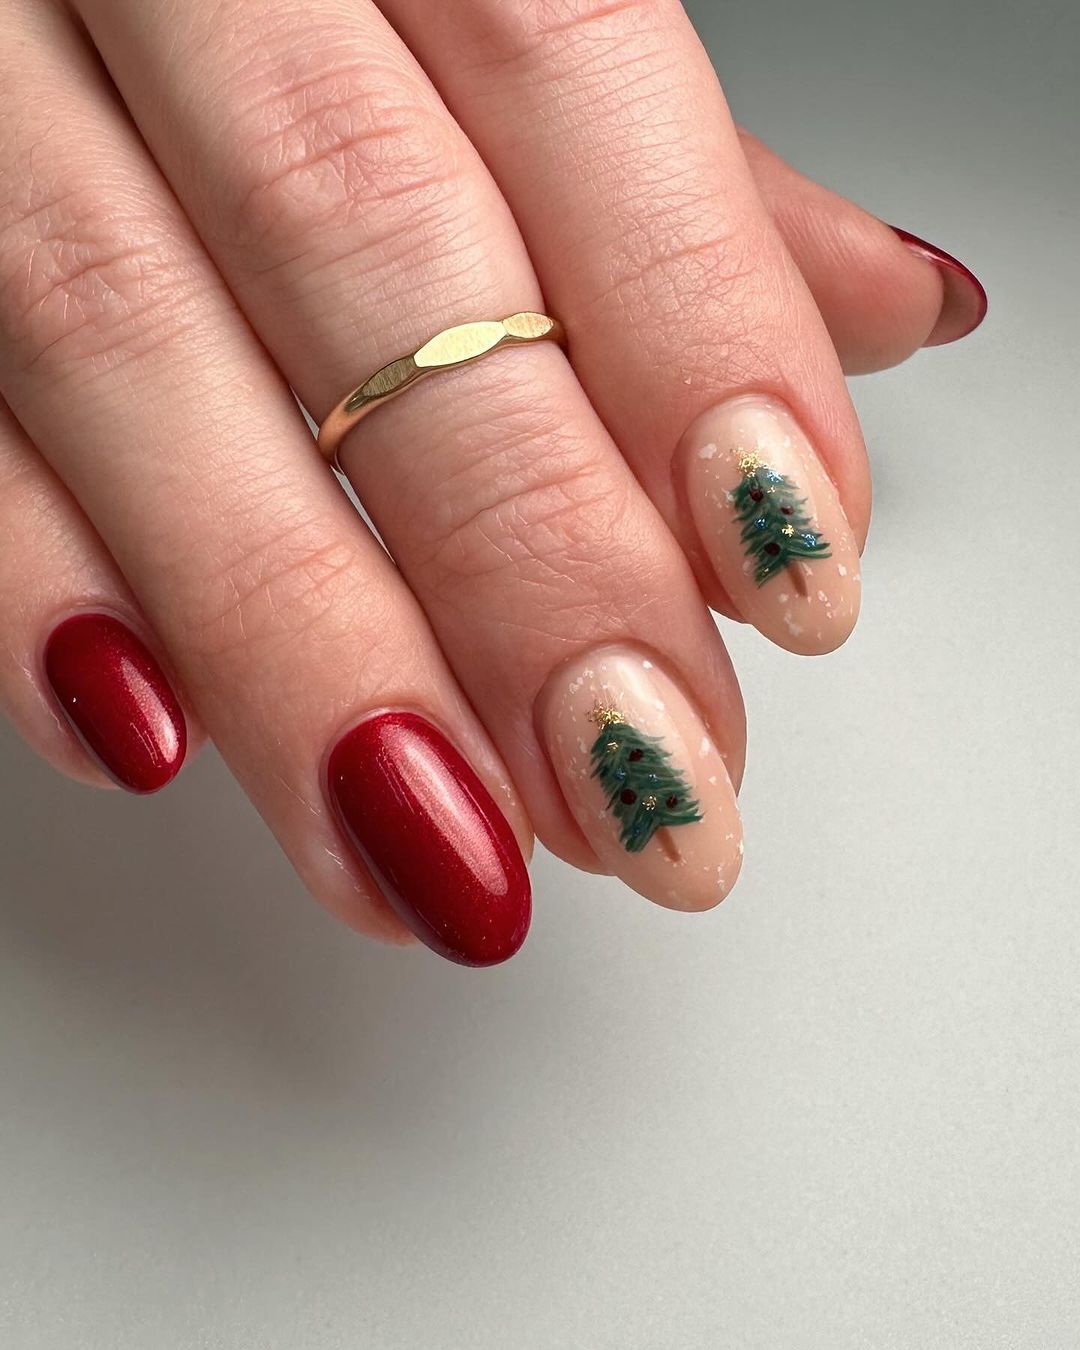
785,510
628,796
756,494
672,802
635,755
773,550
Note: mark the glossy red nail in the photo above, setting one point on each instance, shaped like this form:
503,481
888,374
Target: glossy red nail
441,851
117,699
965,302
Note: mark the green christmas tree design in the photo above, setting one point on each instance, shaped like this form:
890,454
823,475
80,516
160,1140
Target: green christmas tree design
645,791
776,529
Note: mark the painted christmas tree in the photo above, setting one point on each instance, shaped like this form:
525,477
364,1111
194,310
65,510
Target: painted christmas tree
645,791
776,529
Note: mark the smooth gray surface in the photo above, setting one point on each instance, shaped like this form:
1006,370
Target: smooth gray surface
839,1113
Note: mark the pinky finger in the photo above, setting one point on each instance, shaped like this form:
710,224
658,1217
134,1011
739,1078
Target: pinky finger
882,292
79,677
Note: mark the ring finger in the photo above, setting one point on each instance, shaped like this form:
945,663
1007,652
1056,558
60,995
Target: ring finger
353,219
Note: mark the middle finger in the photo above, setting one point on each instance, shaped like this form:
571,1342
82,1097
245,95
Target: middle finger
353,219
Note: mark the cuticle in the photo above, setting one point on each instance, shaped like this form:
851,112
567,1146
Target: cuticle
425,715
62,616
126,619
700,557
635,647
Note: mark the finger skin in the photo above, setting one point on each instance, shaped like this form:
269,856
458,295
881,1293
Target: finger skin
609,136
880,299
126,360
353,221
57,572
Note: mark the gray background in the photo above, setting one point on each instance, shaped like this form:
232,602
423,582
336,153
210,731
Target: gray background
842,1111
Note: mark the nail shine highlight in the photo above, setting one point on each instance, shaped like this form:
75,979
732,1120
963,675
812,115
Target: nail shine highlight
431,835
117,700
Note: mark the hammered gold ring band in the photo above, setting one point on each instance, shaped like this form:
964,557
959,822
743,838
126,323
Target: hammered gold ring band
452,347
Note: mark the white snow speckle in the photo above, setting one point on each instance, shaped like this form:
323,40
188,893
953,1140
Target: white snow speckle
709,451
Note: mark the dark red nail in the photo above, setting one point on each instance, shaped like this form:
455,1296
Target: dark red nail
117,700
965,303
441,851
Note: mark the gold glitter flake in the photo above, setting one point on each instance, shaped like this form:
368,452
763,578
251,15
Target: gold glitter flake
604,715
749,462
611,747
789,530
649,802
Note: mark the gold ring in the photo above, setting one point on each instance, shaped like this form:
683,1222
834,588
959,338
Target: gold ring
452,347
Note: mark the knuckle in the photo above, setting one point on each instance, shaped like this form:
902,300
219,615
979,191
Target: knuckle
531,28
78,284
323,150
685,263
296,585
681,271
516,520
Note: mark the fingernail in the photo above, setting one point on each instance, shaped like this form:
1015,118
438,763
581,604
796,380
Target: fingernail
433,839
965,301
642,777
117,699
771,522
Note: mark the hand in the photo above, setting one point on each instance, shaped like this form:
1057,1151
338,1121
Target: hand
279,197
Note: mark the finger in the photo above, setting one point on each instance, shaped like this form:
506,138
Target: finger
81,678
882,292
125,359
609,136
353,220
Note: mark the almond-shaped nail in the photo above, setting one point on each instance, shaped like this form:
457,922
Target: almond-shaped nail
642,777
432,837
116,698
964,302
771,522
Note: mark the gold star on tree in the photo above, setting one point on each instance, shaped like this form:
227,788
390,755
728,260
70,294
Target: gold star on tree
749,462
604,715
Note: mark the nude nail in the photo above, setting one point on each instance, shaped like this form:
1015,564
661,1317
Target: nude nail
771,522
642,777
